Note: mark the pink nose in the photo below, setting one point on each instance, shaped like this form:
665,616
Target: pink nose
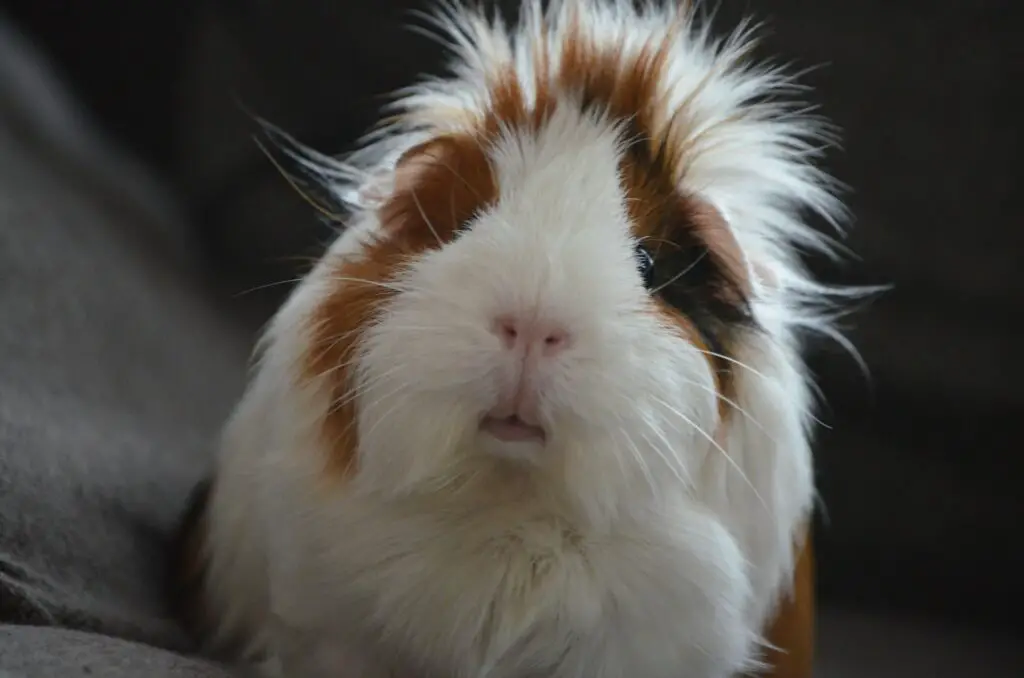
547,338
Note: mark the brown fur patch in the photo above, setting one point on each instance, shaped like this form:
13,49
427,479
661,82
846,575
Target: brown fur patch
792,630
712,228
439,186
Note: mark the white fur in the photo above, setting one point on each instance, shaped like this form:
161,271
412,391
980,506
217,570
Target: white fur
648,539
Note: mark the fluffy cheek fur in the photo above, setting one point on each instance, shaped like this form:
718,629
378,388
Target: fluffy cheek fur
630,407
760,479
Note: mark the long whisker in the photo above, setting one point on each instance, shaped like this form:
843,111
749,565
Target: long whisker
334,342
641,462
677,469
731,403
387,414
267,286
393,287
352,422
365,387
681,273
714,443
732,360
810,382
426,220
753,371
327,214
680,473
397,287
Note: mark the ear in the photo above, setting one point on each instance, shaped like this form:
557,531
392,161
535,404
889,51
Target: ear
764,276
751,273
715,231
397,175
372,192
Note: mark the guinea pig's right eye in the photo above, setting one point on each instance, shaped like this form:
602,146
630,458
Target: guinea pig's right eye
645,264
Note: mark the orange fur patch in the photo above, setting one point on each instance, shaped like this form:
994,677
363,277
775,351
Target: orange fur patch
712,228
792,630
439,186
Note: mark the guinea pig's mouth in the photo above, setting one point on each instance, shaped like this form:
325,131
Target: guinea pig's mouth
512,429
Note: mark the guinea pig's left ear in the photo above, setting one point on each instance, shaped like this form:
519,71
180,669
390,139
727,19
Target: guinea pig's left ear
754,275
372,192
395,175
376,187
718,234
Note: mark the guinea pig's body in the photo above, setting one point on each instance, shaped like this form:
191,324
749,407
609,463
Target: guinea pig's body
539,412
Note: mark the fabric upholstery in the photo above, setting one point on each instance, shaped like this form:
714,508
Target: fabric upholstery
117,368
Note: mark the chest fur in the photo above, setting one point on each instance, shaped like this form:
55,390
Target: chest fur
514,593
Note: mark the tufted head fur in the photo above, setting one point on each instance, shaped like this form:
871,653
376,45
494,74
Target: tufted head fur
568,286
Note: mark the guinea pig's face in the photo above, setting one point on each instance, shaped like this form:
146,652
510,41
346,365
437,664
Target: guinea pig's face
544,302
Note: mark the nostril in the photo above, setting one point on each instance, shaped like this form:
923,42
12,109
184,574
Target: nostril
507,331
554,340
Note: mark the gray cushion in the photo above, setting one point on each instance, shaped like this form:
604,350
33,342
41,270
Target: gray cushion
116,369
851,645
37,652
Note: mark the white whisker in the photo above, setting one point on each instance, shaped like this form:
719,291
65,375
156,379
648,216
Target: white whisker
680,473
680,274
666,456
641,462
426,219
733,361
807,411
731,403
353,422
365,387
707,436
393,287
387,413
267,286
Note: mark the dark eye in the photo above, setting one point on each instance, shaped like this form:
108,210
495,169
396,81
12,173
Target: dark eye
645,264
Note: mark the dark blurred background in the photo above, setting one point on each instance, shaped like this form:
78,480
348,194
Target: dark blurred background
920,468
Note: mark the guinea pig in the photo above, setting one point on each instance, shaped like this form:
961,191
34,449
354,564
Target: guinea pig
540,410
